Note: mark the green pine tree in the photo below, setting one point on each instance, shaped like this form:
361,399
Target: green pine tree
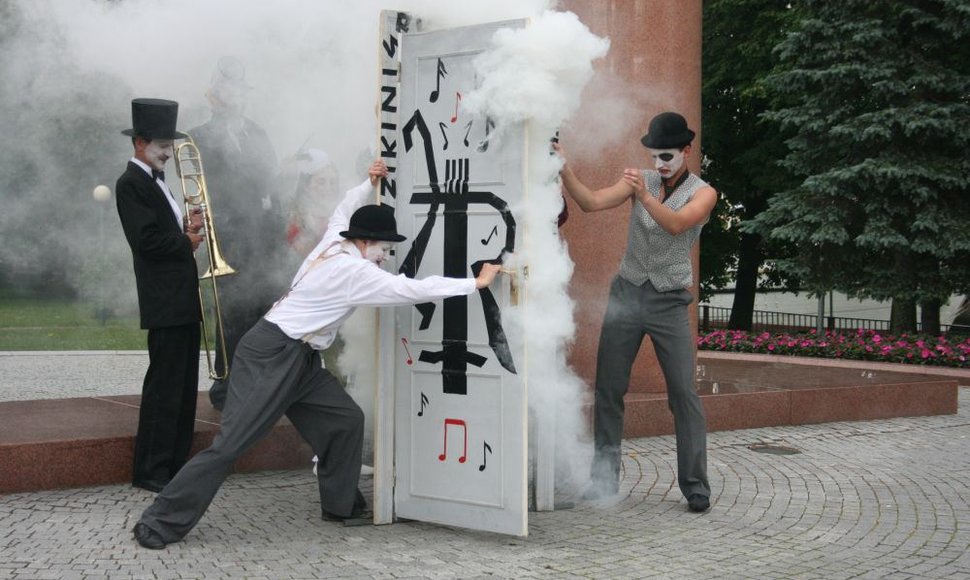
876,95
739,145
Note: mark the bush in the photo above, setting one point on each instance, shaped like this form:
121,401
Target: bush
860,345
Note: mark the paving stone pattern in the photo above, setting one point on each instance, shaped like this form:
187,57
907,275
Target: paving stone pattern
878,499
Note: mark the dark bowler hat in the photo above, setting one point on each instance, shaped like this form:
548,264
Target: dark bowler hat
373,222
154,119
667,131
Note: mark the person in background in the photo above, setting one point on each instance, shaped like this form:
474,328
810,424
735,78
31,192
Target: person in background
241,176
314,199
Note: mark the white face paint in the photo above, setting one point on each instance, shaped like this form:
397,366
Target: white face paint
158,152
667,161
378,252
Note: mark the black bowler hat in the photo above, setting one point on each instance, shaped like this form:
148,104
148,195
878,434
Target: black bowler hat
373,222
154,119
667,131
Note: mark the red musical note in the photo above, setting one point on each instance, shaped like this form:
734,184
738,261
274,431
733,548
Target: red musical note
457,102
464,452
410,360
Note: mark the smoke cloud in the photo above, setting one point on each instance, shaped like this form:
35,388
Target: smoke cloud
71,68
537,74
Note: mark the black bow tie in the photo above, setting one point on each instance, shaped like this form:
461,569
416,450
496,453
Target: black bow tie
158,174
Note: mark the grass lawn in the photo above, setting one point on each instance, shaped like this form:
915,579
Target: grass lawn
50,324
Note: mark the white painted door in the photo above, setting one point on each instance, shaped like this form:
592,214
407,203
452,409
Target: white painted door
460,403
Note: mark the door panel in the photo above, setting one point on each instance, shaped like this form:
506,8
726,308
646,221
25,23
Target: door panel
460,402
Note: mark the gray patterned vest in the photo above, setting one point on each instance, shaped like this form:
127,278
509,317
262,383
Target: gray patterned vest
652,253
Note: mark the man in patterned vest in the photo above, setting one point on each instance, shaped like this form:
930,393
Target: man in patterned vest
650,296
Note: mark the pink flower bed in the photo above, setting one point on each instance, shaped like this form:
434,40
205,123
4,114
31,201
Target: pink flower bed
858,345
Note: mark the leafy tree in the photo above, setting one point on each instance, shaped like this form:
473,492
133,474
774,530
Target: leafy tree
740,147
61,138
876,96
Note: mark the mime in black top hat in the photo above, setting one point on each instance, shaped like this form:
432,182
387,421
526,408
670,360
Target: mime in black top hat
162,244
154,119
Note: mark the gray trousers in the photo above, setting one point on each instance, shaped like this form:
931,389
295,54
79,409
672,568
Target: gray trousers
632,313
272,375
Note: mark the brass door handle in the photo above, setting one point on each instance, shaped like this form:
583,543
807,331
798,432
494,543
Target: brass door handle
514,282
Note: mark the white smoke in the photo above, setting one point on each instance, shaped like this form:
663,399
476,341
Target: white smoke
71,67
537,74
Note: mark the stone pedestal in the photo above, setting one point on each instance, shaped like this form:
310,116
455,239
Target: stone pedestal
654,65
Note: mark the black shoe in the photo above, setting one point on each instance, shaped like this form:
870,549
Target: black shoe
150,485
147,537
357,512
698,503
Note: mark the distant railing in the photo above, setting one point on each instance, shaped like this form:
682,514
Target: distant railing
714,317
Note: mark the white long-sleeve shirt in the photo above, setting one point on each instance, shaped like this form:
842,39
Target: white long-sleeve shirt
335,279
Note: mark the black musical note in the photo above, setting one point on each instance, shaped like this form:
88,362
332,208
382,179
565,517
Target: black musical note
483,144
493,232
438,76
442,126
484,456
468,129
424,402
457,102
464,452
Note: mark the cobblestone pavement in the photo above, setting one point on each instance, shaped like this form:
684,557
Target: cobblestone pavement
31,375
877,499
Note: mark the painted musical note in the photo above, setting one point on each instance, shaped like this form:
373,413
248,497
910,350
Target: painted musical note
492,233
457,102
487,448
483,144
409,361
424,402
464,453
438,76
442,126
468,129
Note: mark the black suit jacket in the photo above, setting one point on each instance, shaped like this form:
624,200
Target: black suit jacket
165,271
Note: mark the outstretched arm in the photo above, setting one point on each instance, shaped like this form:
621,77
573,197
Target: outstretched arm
588,199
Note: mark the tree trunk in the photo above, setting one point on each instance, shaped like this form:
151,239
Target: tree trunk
746,284
961,322
930,317
903,318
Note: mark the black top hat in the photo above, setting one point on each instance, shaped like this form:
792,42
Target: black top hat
373,222
667,131
154,119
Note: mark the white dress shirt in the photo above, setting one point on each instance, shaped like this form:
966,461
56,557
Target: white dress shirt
176,208
335,279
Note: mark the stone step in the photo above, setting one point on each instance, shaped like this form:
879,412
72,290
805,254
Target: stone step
79,442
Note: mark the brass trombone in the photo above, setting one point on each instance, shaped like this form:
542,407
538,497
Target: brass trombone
188,166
